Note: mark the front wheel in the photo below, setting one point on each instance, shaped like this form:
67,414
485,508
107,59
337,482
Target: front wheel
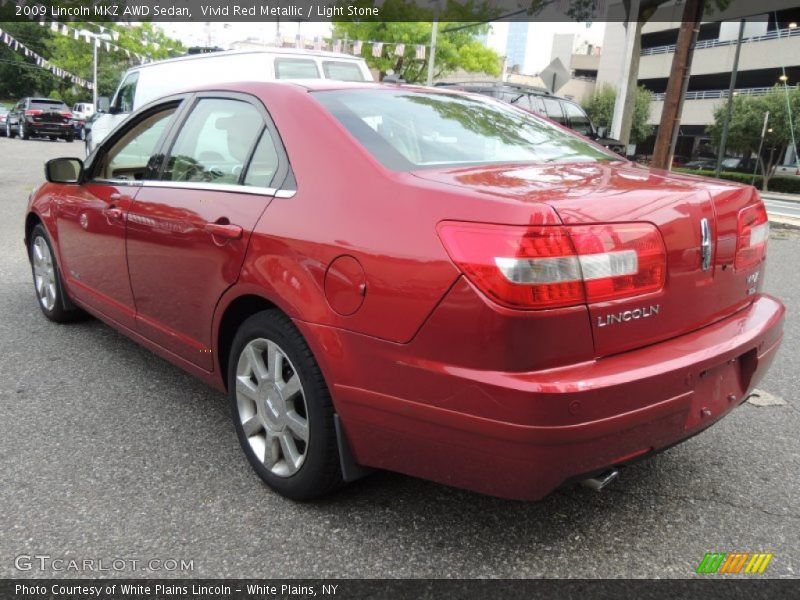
282,409
47,280
23,131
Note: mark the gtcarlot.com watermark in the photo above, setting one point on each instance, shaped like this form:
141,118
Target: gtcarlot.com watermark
54,564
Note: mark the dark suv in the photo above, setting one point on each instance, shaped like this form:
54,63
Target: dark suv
542,102
40,116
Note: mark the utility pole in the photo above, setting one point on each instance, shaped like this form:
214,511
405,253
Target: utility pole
433,51
678,83
726,124
94,73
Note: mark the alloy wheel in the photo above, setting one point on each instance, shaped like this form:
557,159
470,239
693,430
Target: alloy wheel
271,405
44,273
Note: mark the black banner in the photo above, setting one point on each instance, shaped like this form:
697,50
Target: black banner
389,589
376,10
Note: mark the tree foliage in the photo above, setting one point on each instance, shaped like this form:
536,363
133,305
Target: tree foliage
459,49
747,122
600,108
20,76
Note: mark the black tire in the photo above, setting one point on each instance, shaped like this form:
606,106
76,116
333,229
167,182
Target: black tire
320,472
23,132
69,139
53,138
62,311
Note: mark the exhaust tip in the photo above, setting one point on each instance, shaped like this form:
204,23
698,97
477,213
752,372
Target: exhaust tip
601,481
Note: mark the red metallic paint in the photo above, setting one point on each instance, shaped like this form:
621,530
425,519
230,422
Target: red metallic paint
428,376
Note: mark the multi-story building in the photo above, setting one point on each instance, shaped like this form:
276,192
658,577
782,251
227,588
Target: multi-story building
770,49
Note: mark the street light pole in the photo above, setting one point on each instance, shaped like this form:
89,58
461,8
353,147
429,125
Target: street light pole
726,124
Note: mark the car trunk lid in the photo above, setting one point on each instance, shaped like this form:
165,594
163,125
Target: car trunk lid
681,207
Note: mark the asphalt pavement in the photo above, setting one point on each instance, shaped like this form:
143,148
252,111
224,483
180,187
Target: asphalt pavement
109,452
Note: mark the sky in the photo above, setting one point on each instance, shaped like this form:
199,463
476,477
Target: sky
540,37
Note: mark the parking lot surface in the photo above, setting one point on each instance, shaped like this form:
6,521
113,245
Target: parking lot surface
110,452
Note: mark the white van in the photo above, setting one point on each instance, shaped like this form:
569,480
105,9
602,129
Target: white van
147,82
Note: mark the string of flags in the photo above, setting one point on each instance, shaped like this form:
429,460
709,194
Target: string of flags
77,34
378,50
18,46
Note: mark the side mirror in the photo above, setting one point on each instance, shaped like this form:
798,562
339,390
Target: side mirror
64,170
601,132
103,104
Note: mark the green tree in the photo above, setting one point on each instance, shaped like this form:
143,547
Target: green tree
747,122
600,108
20,76
459,49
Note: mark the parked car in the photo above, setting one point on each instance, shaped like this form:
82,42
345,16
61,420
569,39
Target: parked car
702,164
481,298
81,112
144,83
40,117
788,170
3,116
540,101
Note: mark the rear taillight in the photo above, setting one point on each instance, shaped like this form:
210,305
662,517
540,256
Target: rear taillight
553,266
32,112
752,235
66,114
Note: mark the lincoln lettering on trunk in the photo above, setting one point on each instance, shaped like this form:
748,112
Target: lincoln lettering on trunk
628,315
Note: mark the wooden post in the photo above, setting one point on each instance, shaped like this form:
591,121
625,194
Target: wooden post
677,85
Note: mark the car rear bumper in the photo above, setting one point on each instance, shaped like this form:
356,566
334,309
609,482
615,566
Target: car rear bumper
579,419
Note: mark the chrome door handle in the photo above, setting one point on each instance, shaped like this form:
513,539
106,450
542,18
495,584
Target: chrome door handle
227,231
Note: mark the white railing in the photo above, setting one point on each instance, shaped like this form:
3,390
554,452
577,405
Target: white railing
713,94
772,35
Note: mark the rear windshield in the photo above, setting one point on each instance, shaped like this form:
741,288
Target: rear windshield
295,68
407,130
48,105
342,71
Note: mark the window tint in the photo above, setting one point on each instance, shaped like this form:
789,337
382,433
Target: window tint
406,130
578,119
129,156
295,68
264,164
552,108
214,142
123,101
48,105
343,71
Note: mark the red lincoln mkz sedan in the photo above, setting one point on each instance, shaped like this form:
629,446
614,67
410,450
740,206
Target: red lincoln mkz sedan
413,279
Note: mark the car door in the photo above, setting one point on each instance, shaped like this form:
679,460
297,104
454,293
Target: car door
188,232
91,218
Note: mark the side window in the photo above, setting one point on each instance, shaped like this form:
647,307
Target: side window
214,142
295,68
264,164
537,105
552,108
129,157
342,71
578,120
123,101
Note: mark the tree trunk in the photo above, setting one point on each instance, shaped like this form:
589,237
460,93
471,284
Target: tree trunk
678,80
633,87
